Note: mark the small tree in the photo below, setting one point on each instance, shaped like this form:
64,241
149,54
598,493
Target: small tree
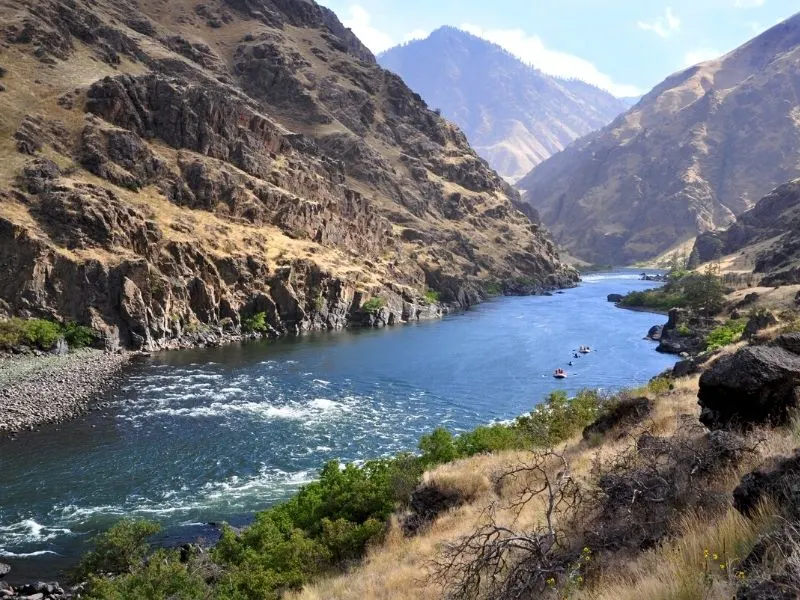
705,293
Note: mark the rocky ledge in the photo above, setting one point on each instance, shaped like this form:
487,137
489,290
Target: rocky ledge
49,389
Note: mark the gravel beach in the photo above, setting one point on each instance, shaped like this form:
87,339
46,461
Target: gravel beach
48,389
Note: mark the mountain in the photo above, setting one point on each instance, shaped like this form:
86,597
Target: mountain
765,239
174,171
699,149
514,115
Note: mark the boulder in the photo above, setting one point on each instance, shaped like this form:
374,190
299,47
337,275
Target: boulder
4,569
757,385
655,333
625,413
615,298
758,321
778,481
749,299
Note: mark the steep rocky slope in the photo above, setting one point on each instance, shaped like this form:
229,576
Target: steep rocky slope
699,149
765,238
173,168
514,115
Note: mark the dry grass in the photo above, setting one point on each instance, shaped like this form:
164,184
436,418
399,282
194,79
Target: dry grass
678,570
686,568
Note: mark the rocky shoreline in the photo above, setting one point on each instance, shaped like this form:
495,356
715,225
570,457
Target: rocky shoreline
35,390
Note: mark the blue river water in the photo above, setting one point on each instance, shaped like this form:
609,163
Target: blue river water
202,436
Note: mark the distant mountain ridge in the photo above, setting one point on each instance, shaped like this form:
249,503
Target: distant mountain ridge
514,115
699,149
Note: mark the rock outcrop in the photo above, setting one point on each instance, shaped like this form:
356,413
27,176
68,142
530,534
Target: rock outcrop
766,238
756,385
701,148
514,115
684,333
179,173
622,416
778,481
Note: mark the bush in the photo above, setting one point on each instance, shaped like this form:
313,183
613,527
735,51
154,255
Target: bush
79,336
438,447
119,550
373,305
36,333
256,323
163,576
659,385
560,417
727,334
432,296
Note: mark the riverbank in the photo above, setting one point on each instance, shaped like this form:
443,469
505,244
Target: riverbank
35,390
270,413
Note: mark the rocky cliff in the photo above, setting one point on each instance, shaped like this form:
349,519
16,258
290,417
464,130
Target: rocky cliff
698,150
513,114
765,239
172,169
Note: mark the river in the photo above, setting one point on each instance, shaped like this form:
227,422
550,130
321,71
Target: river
202,436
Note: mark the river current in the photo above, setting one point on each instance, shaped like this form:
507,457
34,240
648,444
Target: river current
202,436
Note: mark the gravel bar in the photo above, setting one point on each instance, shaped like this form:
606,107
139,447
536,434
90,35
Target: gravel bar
49,389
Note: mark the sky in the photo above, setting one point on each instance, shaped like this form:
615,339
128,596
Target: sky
623,46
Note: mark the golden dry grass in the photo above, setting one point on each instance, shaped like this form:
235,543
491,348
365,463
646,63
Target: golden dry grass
686,569
399,568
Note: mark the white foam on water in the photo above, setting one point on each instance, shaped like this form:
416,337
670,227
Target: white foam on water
9,554
28,531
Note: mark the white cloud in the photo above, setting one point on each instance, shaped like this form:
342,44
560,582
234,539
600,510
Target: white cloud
749,3
417,34
699,55
360,22
531,50
665,25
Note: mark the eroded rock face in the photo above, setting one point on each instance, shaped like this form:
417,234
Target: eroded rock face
757,385
207,176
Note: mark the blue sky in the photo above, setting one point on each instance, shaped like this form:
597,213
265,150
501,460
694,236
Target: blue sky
624,46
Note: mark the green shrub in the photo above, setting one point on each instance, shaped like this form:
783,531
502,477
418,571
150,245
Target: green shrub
37,333
10,333
163,576
727,334
659,385
119,550
256,323
490,438
684,330
560,417
79,336
493,288
432,296
40,333
438,447
373,305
